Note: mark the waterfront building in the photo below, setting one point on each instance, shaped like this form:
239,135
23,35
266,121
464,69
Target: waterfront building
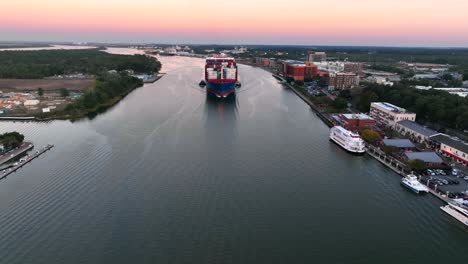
294,69
452,147
416,131
343,80
388,115
404,144
430,158
314,56
311,70
354,122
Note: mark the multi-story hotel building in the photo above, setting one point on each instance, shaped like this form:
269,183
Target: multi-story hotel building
388,114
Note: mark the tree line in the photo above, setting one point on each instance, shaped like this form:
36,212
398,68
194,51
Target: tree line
108,88
46,63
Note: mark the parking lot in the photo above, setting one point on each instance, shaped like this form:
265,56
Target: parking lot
456,184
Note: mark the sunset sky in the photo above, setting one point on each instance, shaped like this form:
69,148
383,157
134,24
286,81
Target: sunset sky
327,22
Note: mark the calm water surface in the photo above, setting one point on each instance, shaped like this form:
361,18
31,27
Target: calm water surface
171,176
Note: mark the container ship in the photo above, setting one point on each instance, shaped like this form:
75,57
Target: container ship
221,75
348,140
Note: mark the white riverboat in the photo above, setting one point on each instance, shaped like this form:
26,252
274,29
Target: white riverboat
348,140
457,211
411,182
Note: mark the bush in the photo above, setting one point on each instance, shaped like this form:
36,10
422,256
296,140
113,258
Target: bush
417,165
370,135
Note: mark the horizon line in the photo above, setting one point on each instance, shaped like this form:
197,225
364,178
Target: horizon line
231,44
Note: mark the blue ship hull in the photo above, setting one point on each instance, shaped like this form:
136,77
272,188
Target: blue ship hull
221,89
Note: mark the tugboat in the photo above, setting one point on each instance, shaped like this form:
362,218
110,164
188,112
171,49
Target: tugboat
411,182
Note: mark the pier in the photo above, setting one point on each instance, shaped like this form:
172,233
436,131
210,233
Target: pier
392,163
9,171
17,118
398,167
12,154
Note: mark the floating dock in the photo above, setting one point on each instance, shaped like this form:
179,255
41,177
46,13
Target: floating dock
14,153
9,171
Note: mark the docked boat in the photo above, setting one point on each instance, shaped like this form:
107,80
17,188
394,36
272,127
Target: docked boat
457,211
348,140
411,182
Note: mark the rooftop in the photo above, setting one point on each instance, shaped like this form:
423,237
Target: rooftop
357,116
389,107
294,62
449,141
426,76
417,128
399,143
429,157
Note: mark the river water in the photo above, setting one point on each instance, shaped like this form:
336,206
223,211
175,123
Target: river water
171,176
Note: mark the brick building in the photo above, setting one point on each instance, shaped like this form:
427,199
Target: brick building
294,69
354,67
354,122
343,80
311,70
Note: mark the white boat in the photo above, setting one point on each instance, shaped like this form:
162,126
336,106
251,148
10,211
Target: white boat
411,182
456,210
348,140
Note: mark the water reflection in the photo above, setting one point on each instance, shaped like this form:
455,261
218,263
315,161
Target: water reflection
221,118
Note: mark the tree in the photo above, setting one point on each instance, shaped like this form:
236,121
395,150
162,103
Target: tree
417,165
365,100
390,149
40,91
64,92
339,104
11,140
370,135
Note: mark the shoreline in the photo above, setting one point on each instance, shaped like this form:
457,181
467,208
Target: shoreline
73,117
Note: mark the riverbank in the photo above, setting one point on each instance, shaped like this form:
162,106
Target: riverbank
325,118
396,166
73,112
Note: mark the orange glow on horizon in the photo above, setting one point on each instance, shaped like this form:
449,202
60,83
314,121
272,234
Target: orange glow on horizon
301,18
